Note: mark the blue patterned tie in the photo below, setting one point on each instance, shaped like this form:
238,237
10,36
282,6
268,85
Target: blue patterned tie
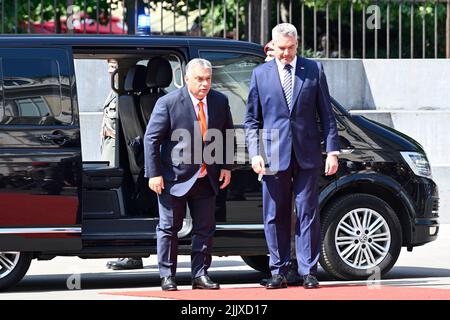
287,84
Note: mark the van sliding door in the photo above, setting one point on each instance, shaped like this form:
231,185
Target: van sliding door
40,151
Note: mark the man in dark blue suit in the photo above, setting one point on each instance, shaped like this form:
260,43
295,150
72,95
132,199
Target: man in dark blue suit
284,146
180,173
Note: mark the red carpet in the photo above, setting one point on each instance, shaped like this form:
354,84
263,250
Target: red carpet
330,292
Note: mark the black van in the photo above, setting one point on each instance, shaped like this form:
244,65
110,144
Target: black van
52,203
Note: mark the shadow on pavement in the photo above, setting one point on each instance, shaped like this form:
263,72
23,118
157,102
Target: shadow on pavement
149,277
127,280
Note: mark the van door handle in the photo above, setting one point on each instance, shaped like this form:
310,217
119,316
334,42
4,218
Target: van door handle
56,138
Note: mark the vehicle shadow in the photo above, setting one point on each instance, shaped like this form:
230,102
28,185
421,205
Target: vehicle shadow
149,277
402,272
125,279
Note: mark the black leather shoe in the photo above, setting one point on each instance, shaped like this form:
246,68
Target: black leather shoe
292,276
293,279
276,282
310,282
125,264
168,284
204,282
263,282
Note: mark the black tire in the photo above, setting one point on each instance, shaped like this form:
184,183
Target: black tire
259,263
12,277
347,268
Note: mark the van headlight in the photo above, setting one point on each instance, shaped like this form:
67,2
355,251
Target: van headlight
418,163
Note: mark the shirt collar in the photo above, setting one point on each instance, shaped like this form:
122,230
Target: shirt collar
195,101
281,65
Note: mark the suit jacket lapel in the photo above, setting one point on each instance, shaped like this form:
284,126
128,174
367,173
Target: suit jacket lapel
187,103
300,74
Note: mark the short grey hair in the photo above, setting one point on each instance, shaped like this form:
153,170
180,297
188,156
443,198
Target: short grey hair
198,62
284,29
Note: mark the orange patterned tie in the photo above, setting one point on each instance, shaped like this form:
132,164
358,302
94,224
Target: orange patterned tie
202,120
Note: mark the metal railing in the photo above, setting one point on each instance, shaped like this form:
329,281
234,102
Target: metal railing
327,28
375,35
371,29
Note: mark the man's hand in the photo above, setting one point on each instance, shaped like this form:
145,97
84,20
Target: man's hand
225,176
331,165
156,184
258,165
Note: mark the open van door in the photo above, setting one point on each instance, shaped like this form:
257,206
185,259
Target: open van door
40,151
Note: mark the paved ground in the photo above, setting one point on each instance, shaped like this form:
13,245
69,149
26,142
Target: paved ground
426,267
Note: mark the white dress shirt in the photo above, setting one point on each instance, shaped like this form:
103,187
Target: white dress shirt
195,102
281,70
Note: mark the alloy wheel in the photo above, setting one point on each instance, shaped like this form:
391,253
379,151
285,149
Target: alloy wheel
362,238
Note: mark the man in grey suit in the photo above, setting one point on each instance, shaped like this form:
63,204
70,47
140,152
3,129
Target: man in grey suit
190,178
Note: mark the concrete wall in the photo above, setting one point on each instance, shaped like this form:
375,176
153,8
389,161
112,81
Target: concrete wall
412,96
93,86
378,84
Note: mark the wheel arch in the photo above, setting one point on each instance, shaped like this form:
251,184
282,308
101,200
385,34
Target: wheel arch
380,186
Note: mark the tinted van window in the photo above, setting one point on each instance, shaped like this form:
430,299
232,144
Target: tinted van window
33,92
231,75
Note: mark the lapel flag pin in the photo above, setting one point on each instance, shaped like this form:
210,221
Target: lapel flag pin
302,68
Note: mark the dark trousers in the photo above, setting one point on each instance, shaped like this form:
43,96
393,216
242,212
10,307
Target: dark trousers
277,207
201,200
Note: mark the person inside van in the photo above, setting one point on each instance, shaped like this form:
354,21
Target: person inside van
108,128
108,153
269,51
